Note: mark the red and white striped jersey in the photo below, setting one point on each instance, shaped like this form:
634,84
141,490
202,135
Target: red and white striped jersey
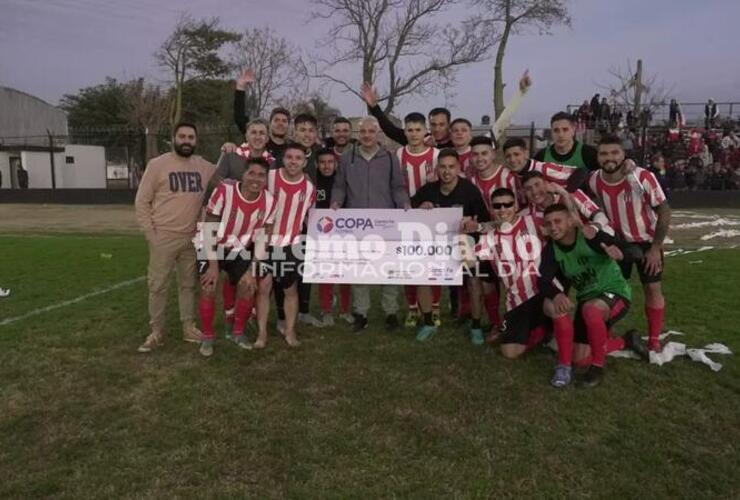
585,205
467,169
515,253
551,172
240,218
630,203
293,201
244,152
418,168
502,177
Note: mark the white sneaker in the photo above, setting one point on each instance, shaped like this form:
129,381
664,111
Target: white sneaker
281,326
309,319
327,319
206,348
348,318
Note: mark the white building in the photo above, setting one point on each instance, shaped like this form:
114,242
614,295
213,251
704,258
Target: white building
25,122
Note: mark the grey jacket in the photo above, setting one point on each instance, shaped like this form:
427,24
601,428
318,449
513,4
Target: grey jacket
377,183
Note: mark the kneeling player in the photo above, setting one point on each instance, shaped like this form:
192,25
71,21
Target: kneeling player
240,211
586,259
514,249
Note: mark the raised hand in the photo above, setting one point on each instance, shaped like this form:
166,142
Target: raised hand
245,78
369,95
525,81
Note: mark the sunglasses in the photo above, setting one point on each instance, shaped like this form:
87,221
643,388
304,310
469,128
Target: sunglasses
498,206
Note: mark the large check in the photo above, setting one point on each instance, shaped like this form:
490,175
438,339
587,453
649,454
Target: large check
383,246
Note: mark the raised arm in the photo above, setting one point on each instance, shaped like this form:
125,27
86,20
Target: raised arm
245,78
503,121
370,96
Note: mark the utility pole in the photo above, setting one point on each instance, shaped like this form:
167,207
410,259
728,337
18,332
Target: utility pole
638,88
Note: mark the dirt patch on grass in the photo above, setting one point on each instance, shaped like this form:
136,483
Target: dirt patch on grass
29,218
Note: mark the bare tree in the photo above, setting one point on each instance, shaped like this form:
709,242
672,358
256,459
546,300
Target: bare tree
147,109
318,106
513,17
279,71
632,89
191,51
401,44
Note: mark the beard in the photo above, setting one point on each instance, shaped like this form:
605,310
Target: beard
611,166
184,150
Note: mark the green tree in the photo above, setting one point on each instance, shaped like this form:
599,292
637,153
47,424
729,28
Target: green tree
192,51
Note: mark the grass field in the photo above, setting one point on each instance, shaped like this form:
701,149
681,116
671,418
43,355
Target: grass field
83,415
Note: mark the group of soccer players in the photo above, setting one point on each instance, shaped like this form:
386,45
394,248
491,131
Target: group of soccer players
572,217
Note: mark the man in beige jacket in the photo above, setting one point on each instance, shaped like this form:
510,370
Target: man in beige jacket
168,206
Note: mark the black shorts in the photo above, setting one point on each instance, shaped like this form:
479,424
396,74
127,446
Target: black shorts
234,268
634,254
618,309
520,321
285,264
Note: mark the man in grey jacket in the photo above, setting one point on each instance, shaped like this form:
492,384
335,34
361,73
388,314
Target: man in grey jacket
370,176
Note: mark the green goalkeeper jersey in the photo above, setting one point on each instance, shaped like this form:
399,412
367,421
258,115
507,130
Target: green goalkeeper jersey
590,270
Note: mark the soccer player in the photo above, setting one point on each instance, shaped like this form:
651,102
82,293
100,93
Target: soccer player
586,258
341,133
439,121
450,190
514,250
540,194
279,118
488,177
565,149
168,205
295,195
516,155
306,134
461,133
640,214
231,166
239,211
418,163
325,175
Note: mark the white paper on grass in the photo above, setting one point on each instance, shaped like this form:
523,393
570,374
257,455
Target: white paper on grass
4,292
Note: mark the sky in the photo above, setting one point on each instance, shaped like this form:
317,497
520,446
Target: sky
49,48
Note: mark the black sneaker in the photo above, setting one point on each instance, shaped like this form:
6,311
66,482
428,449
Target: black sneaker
633,341
360,323
391,322
592,377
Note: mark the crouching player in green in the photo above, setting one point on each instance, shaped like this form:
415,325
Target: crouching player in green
585,258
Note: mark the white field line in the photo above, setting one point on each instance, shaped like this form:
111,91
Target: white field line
66,303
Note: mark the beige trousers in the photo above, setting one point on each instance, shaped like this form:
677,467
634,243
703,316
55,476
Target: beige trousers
165,253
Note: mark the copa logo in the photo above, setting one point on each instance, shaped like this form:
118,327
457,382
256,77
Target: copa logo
361,223
325,224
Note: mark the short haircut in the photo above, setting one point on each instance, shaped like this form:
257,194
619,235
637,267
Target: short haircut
296,145
556,207
415,118
279,111
258,121
441,111
324,152
461,120
561,115
479,140
448,153
341,119
182,124
515,142
305,118
497,193
610,139
258,161
532,174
